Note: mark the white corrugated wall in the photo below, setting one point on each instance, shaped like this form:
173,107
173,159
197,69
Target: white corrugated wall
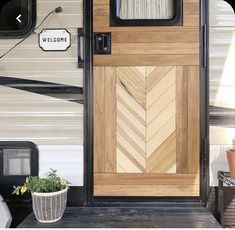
55,125
222,81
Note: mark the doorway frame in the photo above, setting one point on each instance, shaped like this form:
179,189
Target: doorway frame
90,199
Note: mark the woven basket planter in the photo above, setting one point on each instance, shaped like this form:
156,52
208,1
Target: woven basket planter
49,207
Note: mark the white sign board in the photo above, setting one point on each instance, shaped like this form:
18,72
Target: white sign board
55,40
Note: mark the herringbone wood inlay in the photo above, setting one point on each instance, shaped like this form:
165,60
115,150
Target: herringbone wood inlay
146,107
146,119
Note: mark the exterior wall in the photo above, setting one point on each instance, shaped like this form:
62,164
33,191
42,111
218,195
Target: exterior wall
222,84
55,125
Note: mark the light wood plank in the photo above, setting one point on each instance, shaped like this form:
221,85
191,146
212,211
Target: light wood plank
158,36
147,190
154,48
158,106
182,119
191,7
160,136
127,164
146,179
131,87
161,119
99,119
128,149
100,9
160,153
161,88
130,103
193,120
130,135
131,120
146,60
156,75
110,119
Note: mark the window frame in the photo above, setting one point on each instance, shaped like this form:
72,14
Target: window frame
176,20
7,182
32,14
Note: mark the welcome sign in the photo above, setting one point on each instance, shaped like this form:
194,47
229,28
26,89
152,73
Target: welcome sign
54,40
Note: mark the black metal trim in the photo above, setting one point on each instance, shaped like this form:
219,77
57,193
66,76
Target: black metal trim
30,27
225,177
204,102
204,128
109,45
111,200
50,89
80,59
176,20
14,180
88,100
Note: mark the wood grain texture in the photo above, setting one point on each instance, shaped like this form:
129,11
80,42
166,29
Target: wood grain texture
156,107
146,190
104,119
110,118
182,120
156,35
193,119
139,139
134,46
145,179
187,119
146,60
153,128
99,120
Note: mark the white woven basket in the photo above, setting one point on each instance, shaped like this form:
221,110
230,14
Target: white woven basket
49,207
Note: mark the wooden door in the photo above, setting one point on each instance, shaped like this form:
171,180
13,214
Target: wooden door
146,108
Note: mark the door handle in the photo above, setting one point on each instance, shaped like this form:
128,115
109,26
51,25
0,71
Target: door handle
80,58
204,28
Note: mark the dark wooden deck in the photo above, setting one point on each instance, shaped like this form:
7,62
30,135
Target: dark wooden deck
186,216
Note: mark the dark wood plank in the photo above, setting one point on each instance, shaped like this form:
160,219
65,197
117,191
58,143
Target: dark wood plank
182,119
168,216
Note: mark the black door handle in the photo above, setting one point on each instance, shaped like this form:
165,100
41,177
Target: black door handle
205,44
80,59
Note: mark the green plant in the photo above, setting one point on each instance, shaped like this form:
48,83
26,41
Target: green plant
50,183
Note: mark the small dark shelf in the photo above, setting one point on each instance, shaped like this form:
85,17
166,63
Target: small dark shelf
226,199
224,177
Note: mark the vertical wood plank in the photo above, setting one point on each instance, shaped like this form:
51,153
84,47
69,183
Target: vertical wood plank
110,119
193,119
99,119
182,120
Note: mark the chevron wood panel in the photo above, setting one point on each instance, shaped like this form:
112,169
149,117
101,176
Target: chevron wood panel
146,130
146,119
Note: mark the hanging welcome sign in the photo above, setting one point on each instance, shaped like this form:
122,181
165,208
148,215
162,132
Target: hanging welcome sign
54,40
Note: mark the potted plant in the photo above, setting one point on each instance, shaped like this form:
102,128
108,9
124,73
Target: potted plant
49,196
231,160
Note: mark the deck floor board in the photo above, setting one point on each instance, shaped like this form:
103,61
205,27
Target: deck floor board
130,217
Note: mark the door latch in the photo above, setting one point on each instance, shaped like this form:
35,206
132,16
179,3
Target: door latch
102,43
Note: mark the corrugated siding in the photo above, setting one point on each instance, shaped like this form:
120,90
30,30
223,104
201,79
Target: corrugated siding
222,80
39,118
